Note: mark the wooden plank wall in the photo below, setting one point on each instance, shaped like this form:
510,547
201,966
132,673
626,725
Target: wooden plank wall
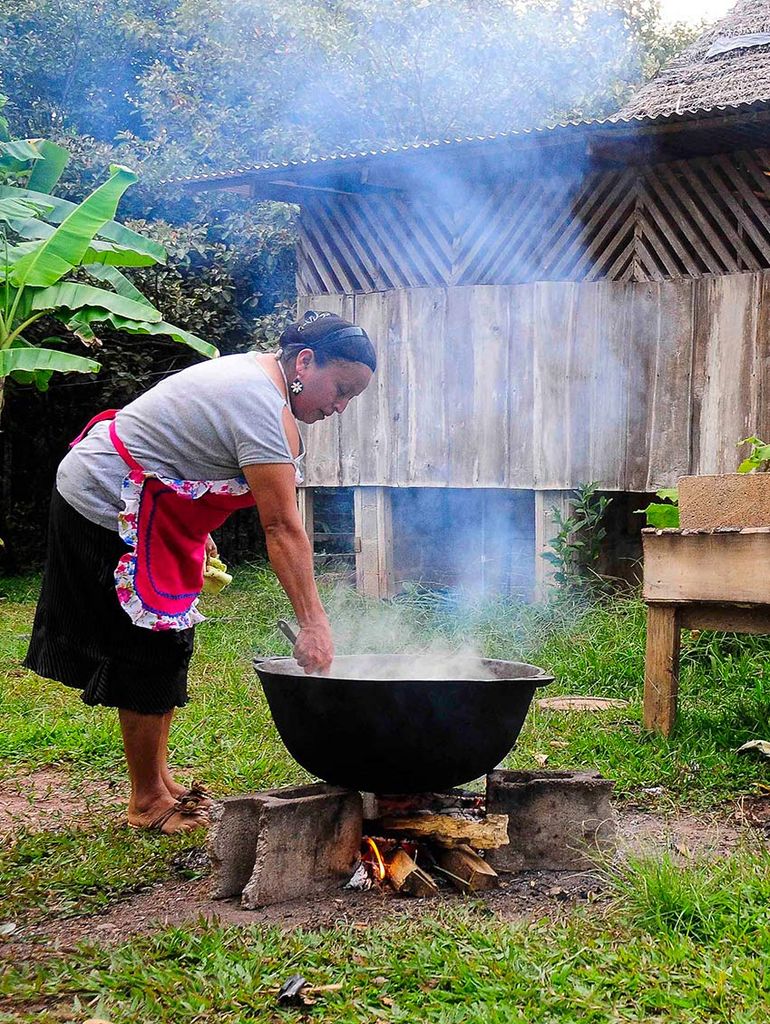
546,386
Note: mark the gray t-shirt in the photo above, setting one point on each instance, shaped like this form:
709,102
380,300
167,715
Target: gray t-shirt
203,423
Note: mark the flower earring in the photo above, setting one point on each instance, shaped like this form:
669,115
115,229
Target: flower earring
297,387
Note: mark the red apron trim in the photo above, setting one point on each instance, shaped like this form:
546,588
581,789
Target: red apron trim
121,449
108,414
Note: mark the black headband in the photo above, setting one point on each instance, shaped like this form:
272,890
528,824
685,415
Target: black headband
341,332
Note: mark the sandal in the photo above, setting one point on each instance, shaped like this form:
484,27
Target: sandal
181,807
196,796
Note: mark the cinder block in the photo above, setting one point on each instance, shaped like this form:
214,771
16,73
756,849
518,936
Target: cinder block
556,820
731,500
283,844
232,844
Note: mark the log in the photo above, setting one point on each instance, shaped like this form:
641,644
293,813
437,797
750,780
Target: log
465,869
483,834
405,875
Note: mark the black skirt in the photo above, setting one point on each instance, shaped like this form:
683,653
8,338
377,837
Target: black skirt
83,638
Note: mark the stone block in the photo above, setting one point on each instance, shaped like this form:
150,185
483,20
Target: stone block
735,500
284,844
556,820
232,844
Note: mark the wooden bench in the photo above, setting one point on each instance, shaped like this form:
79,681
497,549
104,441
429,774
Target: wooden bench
698,580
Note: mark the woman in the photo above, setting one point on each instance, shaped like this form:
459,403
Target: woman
135,502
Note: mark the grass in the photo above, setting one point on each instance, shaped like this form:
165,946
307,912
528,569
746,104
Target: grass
459,966
67,872
678,942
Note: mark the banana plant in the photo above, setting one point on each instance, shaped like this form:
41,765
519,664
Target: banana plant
50,248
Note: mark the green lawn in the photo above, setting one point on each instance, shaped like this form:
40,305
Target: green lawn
678,944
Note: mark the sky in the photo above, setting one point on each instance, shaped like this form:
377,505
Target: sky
693,11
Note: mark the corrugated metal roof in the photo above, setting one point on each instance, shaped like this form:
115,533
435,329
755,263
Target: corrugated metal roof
616,121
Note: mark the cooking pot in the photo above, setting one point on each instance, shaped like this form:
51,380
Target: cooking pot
385,724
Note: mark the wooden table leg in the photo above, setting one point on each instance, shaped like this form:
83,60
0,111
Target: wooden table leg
661,673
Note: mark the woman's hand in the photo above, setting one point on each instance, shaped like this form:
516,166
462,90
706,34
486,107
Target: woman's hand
314,649
211,548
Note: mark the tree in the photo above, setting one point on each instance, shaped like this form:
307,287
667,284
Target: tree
253,80
43,239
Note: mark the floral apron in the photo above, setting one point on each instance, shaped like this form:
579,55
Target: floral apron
165,524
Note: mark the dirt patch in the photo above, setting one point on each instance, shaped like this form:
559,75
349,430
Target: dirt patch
52,798
169,904
534,894
644,833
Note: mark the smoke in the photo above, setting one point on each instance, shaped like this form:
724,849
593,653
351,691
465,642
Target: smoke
369,630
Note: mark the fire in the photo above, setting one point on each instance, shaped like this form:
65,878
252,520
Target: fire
378,863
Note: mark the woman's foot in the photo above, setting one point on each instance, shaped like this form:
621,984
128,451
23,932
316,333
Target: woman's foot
166,814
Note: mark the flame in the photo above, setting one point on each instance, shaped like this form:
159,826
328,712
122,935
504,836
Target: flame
379,864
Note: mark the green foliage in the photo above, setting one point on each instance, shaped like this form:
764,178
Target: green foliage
263,80
758,459
576,548
43,242
176,86
663,515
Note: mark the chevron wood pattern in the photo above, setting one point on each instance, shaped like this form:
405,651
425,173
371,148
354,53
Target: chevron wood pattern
686,219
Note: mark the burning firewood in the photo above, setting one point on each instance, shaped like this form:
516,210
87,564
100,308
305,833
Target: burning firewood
487,833
405,875
465,869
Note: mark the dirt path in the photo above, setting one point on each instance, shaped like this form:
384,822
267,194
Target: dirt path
34,801
52,798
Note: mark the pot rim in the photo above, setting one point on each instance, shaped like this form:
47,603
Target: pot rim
275,666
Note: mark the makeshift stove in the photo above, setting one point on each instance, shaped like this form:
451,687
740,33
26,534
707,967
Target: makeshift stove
286,844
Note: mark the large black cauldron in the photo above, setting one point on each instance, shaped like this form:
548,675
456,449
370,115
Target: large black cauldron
404,735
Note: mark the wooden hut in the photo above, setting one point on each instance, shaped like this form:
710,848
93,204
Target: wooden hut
580,302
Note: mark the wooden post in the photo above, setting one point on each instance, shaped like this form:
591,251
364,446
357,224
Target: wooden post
545,530
661,674
372,515
305,503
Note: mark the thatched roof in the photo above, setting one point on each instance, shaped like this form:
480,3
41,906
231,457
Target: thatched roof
728,64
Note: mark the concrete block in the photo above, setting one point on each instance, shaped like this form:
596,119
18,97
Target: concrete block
556,820
730,500
232,844
283,844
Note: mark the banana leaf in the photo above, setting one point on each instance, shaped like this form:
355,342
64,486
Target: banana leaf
34,359
13,210
67,246
40,378
16,155
4,134
34,231
13,254
71,295
119,281
48,169
8,297
80,324
31,228
113,255
112,231
192,341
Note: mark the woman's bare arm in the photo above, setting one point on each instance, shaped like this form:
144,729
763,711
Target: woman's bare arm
290,554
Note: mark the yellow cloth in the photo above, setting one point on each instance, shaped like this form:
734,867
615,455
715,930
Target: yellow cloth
215,576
